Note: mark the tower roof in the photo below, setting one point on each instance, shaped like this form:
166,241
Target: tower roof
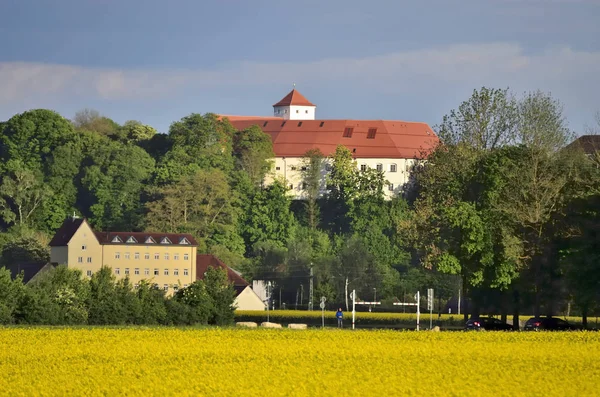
294,98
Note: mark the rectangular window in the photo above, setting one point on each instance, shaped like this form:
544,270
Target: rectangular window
371,133
363,167
146,256
157,256
175,287
304,168
293,168
176,257
89,259
117,255
277,168
166,287
127,255
348,132
185,272
156,272
391,187
117,271
186,257
80,259
166,257
393,168
137,271
127,271
137,256
176,272
89,273
166,272
379,167
84,247
146,272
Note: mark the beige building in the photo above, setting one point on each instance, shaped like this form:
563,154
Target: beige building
166,260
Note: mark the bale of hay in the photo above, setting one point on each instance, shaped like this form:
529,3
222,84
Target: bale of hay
270,325
436,329
297,326
247,324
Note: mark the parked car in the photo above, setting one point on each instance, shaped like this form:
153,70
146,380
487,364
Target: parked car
487,324
549,324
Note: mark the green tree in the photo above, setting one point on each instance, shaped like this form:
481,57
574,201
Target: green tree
91,120
342,186
312,177
253,151
104,305
10,295
222,294
21,195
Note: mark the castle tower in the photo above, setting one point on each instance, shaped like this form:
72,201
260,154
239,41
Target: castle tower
294,106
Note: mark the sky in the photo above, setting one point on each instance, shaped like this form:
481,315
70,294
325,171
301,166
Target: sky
157,61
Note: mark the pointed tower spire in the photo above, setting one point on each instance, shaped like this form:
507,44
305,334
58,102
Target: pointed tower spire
294,106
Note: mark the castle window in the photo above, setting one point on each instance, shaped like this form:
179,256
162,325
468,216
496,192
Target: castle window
176,272
83,247
137,270
117,271
131,240
127,271
176,257
117,255
157,256
285,111
291,186
146,271
166,272
304,168
185,272
186,257
348,132
150,240
293,168
306,111
297,111
165,240
156,272
80,259
146,256
166,287
363,167
89,273
136,256
393,167
175,287
184,241
166,256
371,133
277,168
379,167
391,187
89,259
127,255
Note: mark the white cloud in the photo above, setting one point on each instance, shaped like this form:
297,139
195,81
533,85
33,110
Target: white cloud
570,74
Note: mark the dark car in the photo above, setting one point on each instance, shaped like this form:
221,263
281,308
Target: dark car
549,324
487,324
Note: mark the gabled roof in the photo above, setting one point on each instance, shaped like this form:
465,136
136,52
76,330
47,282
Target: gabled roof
294,98
142,238
29,270
203,261
588,143
66,231
393,139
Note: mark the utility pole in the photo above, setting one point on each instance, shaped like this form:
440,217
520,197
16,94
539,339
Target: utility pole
459,290
301,294
310,289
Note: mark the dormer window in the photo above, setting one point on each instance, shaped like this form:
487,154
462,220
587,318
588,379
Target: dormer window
184,241
300,124
149,240
165,240
322,124
131,240
348,132
371,133
266,122
116,239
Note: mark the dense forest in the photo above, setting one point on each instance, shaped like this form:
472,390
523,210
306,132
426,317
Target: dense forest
503,209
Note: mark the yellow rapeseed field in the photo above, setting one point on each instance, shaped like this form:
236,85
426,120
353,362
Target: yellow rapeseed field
252,362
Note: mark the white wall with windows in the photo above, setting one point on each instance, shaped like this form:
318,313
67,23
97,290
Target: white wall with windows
289,170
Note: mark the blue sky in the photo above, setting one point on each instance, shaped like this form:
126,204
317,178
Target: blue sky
157,61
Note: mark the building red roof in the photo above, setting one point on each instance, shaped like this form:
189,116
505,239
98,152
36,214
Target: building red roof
294,98
66,231
141,238
203,261
387,139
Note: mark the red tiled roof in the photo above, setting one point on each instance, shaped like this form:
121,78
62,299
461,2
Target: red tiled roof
393,139
203,261
140,237
294,98
66,231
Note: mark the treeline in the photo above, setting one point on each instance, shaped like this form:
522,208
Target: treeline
503,209
61,296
